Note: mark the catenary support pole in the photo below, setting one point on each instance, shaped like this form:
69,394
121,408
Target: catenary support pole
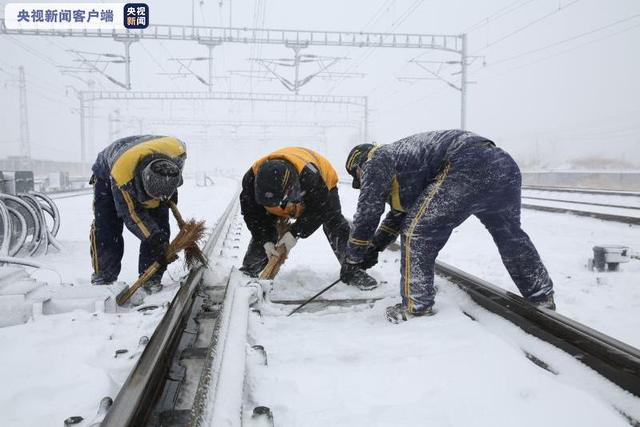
463,82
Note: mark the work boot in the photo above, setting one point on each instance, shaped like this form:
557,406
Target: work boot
547,302
362,280
249,272
398,312
98,281
152,286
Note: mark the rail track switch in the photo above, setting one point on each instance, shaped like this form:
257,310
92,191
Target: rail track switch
608,257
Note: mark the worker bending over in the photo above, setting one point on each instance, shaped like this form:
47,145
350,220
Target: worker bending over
433,182
299,184
133,180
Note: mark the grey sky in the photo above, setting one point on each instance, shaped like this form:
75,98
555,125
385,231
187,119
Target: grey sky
560,81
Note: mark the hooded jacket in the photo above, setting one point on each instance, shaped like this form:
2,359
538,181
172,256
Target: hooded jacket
122,162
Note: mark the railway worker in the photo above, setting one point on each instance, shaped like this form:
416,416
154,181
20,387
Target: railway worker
133,178
299,184
433,182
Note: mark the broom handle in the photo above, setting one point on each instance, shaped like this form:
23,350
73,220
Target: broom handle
148,273
180,220
176,214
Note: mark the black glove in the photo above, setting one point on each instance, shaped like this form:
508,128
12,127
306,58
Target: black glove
348,270
158,244
370,258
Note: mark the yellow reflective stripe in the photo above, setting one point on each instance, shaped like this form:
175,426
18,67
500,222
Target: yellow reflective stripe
285,178
151,204
293,210
124,167
372,151
94,249
407,243
353,158
134,214
359,242
395,195
388,229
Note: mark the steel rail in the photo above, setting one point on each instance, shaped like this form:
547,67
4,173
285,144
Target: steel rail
598,215
582,191
613,359
576,202
134,403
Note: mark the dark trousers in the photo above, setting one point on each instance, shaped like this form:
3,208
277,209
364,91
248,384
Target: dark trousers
334,225
481,181
107,244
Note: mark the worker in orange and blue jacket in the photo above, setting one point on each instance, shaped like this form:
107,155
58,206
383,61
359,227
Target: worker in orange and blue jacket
299,184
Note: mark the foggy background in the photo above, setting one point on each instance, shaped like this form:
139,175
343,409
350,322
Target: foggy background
557,82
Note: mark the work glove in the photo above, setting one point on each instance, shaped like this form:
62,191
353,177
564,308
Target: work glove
158,243
270,250
163,260
370,258
348,270
287,240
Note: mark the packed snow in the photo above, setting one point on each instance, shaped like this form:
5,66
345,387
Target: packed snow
62,365
345,365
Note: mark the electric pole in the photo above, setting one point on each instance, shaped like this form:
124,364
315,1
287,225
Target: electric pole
463,82
25,149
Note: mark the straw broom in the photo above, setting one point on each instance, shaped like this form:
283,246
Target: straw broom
192,253
191,232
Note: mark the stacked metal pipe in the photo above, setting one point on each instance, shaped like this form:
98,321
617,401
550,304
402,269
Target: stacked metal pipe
29,224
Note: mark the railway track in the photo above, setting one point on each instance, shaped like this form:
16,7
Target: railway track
615,212
624,219
583,191
576,202
152,392
70,193
192,368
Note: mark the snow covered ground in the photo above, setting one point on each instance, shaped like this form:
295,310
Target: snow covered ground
630,212
631,201
57,366
346,366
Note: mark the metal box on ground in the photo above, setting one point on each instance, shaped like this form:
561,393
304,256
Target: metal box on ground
609,257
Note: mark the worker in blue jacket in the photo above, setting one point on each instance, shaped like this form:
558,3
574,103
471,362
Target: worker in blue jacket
133,179
433,181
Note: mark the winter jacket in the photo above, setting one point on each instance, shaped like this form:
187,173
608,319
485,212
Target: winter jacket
121,164
317,177
398,173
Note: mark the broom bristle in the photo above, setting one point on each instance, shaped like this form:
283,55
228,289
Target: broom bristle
187,239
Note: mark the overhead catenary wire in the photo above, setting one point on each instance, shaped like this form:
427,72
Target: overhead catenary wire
567,50
543,48
526,26
564,41
510,8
